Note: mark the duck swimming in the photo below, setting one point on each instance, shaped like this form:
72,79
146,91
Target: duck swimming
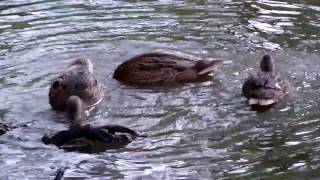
87,138
265,88
92,139
78,80
159,69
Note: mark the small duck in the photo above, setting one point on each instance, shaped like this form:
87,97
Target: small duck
77,80
265,88
3,129
159,69
87,138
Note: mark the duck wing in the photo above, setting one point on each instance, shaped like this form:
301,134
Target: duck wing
157,61
264,88
162,69
263,80
283,83
122,129
63,137
151,69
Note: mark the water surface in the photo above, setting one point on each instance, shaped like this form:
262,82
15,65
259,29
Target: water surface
199,131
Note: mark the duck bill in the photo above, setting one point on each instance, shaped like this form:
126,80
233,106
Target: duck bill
261,102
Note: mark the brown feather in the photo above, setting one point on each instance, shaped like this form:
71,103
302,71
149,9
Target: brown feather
265,88
77,80
161,69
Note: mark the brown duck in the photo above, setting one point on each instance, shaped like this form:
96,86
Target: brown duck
87,138
163,69
78,80
265,88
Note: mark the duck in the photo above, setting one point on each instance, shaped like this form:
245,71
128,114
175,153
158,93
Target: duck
160,69
77,80
88,138
3,129
265,88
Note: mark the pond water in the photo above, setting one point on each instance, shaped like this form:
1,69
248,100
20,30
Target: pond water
199,131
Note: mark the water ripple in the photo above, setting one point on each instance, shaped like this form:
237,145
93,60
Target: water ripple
200,131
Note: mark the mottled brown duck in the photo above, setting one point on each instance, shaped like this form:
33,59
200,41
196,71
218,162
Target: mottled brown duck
160,69
77,80
87,138
266,87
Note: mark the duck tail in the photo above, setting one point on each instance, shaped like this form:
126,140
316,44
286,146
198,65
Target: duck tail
210,67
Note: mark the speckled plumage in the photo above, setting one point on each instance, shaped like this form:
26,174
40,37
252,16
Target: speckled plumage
78,80
265,88
157,69
92,139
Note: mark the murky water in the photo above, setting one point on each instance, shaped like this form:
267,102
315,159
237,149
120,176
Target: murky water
200,131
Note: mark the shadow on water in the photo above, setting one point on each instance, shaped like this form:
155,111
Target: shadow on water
198,131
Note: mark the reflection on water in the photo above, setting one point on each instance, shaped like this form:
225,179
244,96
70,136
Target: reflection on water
200,131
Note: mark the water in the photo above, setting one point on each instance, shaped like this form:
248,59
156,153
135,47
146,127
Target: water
199,131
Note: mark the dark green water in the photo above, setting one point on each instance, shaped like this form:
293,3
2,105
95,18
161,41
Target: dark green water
200,131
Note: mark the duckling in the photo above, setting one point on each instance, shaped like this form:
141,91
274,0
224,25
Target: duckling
88,138
3,129
77,80
265,88
160,69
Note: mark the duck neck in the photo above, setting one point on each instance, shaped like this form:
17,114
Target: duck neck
267,64
75,110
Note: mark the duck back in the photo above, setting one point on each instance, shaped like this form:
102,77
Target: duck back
78,81
265,88
158,69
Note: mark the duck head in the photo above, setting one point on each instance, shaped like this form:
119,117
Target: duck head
75,110
267,64
82,62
